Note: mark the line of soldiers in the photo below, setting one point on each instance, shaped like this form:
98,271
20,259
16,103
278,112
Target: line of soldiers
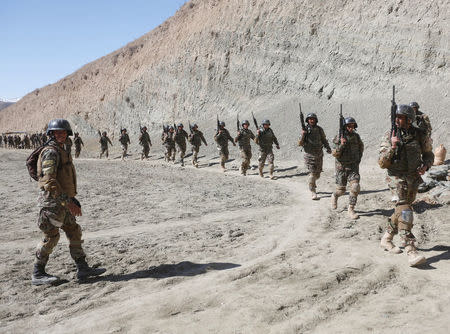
23,142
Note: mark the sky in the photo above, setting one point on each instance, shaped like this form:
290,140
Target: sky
42,41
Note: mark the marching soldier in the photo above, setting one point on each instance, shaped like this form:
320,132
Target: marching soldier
78,142
145,142
169,143
222,137
180,140
196,139
104,141
348,151
313,141
422,120
265,138
243,139
124,141
58,206
406,157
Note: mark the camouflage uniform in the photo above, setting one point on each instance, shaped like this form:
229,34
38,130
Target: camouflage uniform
348,157
104,140
265,139
415,151
196,139
169,144
124,141
57,183
77,142
243,140
313,142
222,145
180,141
145,142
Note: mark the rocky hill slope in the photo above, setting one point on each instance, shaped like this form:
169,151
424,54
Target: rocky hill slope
223,57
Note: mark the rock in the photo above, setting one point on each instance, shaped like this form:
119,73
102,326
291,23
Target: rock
439,172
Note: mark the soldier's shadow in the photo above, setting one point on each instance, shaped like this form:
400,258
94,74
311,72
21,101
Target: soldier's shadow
422,206
292,175
185,268
362,192
445,255
377,212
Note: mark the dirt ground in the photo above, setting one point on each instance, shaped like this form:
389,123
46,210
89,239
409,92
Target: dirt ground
200,251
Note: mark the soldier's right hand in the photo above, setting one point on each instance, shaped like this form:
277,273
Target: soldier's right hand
74,209
394,140
343,141
303,132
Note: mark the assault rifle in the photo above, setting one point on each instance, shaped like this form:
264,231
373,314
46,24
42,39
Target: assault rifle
190,128
165,128
394,128
238,125
302,121
255,122
176,128
342,129
218,123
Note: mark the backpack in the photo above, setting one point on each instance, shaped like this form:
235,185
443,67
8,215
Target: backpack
32,161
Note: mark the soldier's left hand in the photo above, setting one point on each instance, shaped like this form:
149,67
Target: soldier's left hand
278,147
329,150
421,170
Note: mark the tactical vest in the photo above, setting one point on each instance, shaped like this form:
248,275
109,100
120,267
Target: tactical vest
351,152
409,155
169,139
124,139
222,139
104,141
65,171
197,138
244,138
313,143
266,139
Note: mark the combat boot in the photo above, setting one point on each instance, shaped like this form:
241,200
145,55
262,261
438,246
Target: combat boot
414,258
84,271
387,244
182,162
314,195
261,172
351,212
40,277
334,200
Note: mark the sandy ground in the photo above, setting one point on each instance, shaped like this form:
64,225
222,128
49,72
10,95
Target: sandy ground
200,251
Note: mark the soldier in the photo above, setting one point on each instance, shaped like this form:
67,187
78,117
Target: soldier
27,142
104,140
145,142
180,140
124,141
265,138
169,144
243,139
58,205
406,158
313,141
222,137
196,139
348,151
78,142
422,120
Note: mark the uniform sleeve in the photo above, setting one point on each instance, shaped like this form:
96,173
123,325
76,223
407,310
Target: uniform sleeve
252,135
203,138
81,142
229,137
275,140
386,152
49,167
361,146
324,140
109,140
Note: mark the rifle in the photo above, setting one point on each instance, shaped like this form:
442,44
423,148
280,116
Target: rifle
140,128
254,121
176,128
190,127
165,128
342,130
218,125
394,128
238,126
99,133
302,118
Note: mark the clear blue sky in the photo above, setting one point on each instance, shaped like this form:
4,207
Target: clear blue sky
42,41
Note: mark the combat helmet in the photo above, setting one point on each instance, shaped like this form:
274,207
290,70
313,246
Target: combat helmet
311,115
404,109
266,121
245,122
180,125
221,123
414,105
350,120
59,124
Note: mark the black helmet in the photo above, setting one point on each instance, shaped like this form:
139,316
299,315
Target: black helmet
104,133
59,124
245,122
76,134
180,124
350,120
404,109
144,128
414,105
195,126
122,130
171,128
266,121
221,123
311,115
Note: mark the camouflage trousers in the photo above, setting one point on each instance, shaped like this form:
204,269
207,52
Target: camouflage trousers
145,151
104,150
77,151
124,150
351,175
195,150
314,163
224,153
181,149
50,221
246,155
170,153
266,155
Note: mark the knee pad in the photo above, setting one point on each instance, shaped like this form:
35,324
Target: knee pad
355,188
405,220
49,242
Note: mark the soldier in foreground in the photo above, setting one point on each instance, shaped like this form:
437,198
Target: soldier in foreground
58,205
265,138
348,151
406,152
104,141
196,138
145,142
243,138
222,137
77,142
180,140
169,143
313,140
124,141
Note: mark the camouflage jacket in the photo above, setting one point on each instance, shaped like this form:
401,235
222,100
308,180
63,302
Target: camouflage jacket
78,142
423,122
197,138
223,138
265,139
168,138
104,140
415,151
244,137
124,139
314,140
144,139
351,152
180,137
